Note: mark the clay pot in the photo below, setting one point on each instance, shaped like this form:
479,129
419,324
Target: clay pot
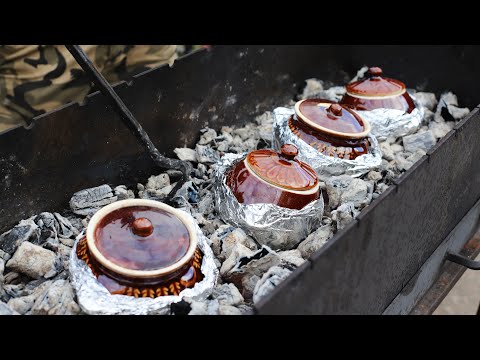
376,92
266,176
330,128
142,248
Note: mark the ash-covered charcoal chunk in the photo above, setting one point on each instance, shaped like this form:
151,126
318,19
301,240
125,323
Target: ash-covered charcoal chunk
34,261
205,154
26,230
88,201
448,110
424,141
315,241
274,276
6,310
186,154
122,193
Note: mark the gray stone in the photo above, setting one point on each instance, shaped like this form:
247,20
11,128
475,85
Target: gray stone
89,201
356,193
122,193
315,241
428,100
33,260
374,175
387,152
207,137
293,257
186,154
227,294
25,230
422,141
207,155
440,129
274,276
6,310
57,300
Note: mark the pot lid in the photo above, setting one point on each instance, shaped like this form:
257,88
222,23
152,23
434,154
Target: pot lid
282,169
376,86
332,118
138,237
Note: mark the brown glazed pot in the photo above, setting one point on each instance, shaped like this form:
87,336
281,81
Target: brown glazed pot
142,248
266,176
330,128
376,92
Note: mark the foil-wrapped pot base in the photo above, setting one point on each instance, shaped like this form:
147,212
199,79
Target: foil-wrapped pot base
324,165
277,227
95,299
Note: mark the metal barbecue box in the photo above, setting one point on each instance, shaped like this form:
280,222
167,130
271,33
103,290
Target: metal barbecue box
383,262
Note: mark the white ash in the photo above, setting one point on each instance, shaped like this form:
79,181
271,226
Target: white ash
248,271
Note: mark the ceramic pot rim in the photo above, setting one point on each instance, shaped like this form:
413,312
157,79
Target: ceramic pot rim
359,135
141,274
313,190
378,97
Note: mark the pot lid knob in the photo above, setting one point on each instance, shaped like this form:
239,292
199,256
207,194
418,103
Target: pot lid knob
335,109
142,227
375,71
289,151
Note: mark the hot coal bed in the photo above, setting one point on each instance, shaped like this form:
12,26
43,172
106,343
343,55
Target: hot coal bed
34,255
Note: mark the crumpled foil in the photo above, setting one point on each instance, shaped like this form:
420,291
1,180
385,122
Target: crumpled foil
277,227
393,123
324,165
95,299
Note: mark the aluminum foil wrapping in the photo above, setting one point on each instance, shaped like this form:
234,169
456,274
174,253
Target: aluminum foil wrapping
324,165
95,299
277,227
393,123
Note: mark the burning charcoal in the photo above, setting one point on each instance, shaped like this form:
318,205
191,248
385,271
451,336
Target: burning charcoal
57,300
217,238
205,154
23,304
417,155
428,100
344,214
291,256
237,236
186,154
207,137
26,230
274,276
387,152
315,241
6,310
228,310
449,102
208,307
374,175
237,253
424,141
89,201
357,193
122,193
440,129
227,294
34,261
335,186
396,148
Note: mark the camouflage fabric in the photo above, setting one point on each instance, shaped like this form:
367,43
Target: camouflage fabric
35,79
